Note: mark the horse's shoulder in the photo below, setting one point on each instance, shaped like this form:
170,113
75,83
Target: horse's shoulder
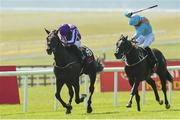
142,51
157,52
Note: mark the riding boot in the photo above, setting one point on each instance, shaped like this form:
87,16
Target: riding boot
153,59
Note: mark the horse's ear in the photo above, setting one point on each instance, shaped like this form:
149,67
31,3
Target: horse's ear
126,37
56,32
121,37
47,31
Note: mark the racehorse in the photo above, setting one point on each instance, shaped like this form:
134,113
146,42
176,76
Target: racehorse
68,68
138,69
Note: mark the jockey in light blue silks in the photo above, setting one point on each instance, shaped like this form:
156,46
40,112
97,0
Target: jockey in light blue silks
144,35
70,35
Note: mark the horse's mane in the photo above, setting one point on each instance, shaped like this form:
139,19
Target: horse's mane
71,49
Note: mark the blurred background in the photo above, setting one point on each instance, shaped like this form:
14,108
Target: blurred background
101,22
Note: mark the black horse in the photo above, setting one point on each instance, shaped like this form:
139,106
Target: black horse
138,69
68,68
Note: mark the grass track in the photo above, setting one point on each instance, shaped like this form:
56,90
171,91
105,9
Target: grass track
40,105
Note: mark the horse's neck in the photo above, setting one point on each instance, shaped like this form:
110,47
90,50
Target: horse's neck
133,56
61,56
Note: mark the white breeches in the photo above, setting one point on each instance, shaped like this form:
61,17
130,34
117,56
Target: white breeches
78,43
145,41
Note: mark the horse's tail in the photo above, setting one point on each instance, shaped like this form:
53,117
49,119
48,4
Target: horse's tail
163,64
169,77
99,65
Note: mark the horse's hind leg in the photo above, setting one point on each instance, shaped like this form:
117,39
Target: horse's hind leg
91,90
71,94
151,82
163,83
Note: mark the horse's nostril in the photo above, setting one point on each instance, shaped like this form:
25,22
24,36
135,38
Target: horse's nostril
49,52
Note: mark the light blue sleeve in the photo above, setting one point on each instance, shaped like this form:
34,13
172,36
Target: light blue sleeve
139,31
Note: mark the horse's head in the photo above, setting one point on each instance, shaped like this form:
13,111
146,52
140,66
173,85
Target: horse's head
52,41
123,47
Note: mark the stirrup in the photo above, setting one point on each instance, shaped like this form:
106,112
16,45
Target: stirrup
155,67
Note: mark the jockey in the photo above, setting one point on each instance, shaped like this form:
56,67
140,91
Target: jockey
69,35
144,35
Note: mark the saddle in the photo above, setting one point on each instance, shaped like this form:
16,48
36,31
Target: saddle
84,54
87,54
143,52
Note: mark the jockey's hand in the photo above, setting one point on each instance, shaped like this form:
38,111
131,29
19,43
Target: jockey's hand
128,14
133,39
134,42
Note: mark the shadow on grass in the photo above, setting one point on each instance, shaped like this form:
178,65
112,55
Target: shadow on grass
25,113
175,110
101,113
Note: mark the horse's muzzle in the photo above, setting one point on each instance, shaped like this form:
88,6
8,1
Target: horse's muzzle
117,56
49,51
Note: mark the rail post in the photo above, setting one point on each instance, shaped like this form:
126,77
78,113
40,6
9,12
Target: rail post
55,99
25,93
143,91
115,88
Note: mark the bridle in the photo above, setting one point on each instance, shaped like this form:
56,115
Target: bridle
124,58
53,49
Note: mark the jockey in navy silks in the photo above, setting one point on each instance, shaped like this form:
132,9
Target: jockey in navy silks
144,35
70,35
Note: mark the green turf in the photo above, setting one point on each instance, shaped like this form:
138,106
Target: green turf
41,102
23,39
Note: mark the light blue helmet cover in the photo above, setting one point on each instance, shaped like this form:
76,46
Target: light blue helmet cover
134,20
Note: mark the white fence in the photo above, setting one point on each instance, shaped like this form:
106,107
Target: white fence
50,71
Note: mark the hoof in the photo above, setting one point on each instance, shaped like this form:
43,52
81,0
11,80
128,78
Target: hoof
89,110
138,108
69,107
168,106
161,102
128,105
68,111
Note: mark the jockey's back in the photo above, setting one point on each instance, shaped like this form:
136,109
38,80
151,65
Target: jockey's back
69,34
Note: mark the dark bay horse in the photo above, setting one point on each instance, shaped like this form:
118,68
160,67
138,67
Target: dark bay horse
68,68
138,69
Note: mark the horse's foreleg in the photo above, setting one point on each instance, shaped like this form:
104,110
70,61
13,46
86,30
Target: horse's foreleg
57,94
76,88
138,101
91,90
71,94
131,83
153,85
133,92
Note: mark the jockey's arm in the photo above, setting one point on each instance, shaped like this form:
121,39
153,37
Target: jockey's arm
139,34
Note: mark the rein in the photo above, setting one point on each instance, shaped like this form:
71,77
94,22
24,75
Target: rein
66,66
125,60
136,62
